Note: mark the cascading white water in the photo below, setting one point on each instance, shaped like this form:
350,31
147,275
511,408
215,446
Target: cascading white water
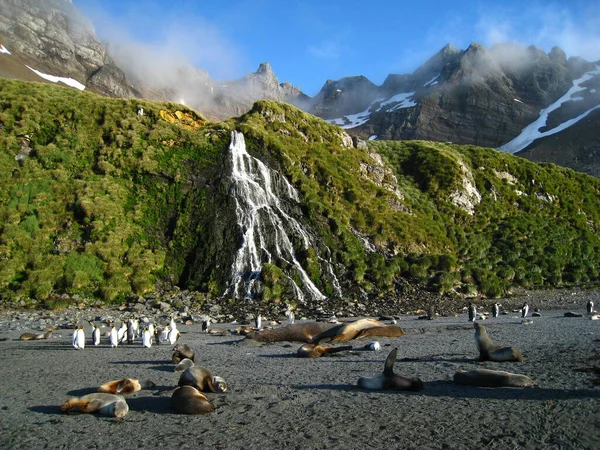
267,229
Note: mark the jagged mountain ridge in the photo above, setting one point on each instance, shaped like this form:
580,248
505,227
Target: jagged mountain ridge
475,96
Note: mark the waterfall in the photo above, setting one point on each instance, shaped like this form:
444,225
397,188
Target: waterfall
266,228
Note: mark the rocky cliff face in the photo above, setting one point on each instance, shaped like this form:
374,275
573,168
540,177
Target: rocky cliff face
53,37
476,96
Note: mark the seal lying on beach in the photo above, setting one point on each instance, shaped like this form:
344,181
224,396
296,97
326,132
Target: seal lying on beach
202,379
317,351
125,386
182,351
300,332
492,378
189,400
488,351
110,405
389,380
35,336
358,329
184,364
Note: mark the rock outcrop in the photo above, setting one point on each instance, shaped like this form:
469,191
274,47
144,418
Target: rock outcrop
53,37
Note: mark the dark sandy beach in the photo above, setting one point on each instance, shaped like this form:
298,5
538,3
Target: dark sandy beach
276,400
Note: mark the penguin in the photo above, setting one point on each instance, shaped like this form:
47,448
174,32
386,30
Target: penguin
79,338
95,333
590,307
172,324
258,322
173,335
472,312
114,336
151,329
146,338
130,331
137,331
164,333
122,332
524,310
205,325
495,310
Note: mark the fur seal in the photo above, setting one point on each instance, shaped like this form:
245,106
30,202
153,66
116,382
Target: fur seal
299,332
492,378
125,386
184,364
488,351
388,380
202,379
35,336
182,351
358,329
110,405
189,400
317,351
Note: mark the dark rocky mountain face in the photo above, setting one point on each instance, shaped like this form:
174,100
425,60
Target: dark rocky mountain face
477,96
53,37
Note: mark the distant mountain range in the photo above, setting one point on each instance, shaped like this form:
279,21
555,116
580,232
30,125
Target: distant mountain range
521,100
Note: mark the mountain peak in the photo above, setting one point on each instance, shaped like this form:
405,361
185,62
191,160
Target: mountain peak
264,69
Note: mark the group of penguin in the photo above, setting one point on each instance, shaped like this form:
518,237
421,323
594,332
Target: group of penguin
495,311
130,330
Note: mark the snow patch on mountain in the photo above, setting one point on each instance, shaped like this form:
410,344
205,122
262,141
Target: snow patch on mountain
68,81
532,131
4,50
401,100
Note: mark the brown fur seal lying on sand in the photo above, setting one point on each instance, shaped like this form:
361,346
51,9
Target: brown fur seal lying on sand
317,351
358,329
299,332
182,351
389,380
35,336
189,400
110,405
202,379
492,378
125,386
488,351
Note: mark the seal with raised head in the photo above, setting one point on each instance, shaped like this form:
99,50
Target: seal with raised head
125,386
110,405
389,380
189,400
299,332
317,351
202,379
182,351
488,351
35,336
492,378
358,329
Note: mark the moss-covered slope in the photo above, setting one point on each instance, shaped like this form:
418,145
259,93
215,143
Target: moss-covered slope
100,200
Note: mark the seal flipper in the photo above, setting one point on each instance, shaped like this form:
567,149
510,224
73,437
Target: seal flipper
388,369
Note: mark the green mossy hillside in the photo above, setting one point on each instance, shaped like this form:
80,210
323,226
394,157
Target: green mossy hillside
99,200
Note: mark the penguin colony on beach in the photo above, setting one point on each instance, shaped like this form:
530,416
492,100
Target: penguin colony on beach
189,396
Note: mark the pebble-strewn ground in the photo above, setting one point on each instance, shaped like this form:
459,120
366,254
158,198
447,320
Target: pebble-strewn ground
276,400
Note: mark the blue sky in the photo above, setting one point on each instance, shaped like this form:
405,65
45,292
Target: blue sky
308,42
